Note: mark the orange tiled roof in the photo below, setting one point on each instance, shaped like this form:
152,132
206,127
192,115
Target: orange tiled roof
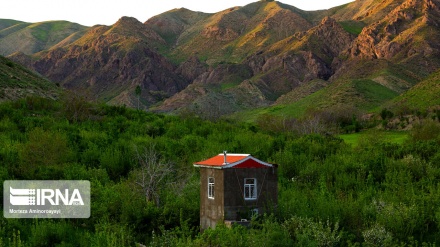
232,160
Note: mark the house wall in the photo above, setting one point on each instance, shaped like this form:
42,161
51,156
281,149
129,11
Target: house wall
211,210
229,203
236,207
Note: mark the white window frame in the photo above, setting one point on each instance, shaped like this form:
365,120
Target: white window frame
211,186
248,188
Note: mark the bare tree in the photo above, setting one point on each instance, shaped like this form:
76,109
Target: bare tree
151,173
78,105
311,125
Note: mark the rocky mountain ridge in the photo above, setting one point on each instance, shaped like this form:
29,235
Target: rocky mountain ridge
248,57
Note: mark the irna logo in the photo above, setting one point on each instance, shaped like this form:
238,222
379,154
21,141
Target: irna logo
44,197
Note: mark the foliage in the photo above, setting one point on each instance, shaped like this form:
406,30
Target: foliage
426,130
378,192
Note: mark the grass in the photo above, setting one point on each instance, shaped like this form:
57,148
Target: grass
6,23
43,30
424,94
31,38
396,137
353,27
373,92
365,94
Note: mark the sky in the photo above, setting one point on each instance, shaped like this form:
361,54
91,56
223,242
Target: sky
107,12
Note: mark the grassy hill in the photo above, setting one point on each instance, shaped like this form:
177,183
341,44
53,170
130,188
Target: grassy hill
19,82
5,23
31,38
423,95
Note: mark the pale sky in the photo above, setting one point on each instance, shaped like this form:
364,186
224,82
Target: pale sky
107,12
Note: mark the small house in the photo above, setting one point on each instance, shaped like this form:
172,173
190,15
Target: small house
234,187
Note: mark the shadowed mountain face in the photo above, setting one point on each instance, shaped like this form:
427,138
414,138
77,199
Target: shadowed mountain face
18,82
110,62
246,57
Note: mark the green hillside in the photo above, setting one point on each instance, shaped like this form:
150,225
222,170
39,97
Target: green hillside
6,23
423,95
18,82
31,38
365,94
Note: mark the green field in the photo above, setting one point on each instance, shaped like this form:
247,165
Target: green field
398,137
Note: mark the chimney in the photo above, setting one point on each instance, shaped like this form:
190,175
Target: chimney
225,161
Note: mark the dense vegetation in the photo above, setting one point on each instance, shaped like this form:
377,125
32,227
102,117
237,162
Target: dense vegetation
377,193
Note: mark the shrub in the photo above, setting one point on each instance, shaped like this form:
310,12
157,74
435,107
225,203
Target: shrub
377,236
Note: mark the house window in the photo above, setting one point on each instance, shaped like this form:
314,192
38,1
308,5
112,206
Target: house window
211,188
250,188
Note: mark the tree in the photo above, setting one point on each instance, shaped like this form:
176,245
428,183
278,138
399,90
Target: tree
78,106
44,152
138,92
151,174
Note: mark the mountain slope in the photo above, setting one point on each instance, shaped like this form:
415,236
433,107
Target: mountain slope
283,67
407,34
367,85
423,95
18,82
6,23
30,38
172,24
368,70
233,34
110,62
367,11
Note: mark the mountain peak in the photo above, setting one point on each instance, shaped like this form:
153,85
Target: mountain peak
127,20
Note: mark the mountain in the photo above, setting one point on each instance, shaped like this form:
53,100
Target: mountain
388,57
18,82
230,35
30,38
266,75
110,62
266,55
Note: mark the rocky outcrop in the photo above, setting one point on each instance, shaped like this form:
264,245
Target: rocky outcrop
207,84
224,73
282,73
397,31
192,68
310,58
327,40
